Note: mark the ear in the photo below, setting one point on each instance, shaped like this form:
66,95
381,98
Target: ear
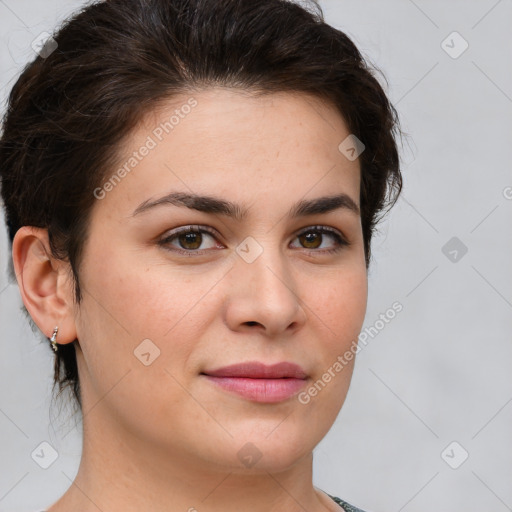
45,284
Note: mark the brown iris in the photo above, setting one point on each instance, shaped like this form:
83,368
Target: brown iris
194,238
310,240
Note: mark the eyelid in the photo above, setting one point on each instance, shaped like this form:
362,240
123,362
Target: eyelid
323,229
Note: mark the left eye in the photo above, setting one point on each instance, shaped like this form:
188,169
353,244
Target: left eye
190,240
311,238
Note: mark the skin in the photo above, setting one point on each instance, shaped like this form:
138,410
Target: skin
162,437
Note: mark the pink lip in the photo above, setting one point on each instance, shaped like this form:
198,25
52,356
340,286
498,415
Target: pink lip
258,382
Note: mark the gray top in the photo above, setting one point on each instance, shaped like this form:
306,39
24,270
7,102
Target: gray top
344,505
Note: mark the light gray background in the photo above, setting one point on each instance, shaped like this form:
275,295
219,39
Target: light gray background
441,370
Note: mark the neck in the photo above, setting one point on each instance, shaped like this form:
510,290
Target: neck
120,471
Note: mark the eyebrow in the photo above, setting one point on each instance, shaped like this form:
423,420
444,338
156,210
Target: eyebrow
215,205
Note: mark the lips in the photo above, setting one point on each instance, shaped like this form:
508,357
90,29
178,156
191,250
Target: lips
256,370
258,382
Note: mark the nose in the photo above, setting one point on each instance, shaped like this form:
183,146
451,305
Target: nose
264,295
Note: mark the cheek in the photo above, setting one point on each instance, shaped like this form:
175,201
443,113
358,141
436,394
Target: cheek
146,300
341,307
132,303
338,318
121,311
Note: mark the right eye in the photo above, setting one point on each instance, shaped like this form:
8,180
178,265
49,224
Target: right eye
189,238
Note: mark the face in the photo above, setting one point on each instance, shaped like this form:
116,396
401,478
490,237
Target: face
255,278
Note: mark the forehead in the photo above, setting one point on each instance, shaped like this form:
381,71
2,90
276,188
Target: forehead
238,144
242,121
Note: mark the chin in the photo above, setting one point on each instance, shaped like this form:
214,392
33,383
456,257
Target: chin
271,450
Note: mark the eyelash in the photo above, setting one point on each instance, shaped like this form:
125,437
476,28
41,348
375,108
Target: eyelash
341,242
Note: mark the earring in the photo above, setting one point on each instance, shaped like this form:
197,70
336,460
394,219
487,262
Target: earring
54,336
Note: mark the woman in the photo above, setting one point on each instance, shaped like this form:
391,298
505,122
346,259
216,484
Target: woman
191,189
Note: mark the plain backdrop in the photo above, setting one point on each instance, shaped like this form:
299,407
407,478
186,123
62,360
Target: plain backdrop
427,421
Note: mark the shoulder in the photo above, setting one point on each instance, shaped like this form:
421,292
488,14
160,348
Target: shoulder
344,505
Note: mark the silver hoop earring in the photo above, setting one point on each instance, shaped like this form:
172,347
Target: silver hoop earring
53,338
